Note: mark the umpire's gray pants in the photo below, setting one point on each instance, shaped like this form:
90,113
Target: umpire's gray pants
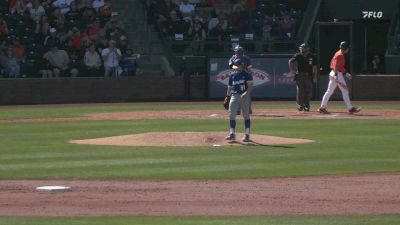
237,103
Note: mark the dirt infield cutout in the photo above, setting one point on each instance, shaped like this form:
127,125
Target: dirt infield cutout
357,194
188,139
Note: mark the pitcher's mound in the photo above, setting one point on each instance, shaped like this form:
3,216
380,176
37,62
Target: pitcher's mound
185,139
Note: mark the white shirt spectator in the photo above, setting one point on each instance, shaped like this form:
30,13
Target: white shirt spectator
58,58
63,5
92,59
37,13
111,57
97,4
187,11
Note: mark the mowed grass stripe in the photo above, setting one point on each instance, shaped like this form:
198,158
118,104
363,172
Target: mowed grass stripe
41,150
77,110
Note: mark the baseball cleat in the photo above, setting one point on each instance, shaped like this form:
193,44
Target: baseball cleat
300,108
323,111
230,137
306,109
354,110
246,138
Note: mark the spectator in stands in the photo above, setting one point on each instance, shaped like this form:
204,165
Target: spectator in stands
62,31
44,27
217,26
58,61
225,7
287,28
97,4
84,4
129,63
64,5
106,10
11,64
111,57
52,39
18,6
3,29
18,49
376,64
46,3
36,12
122,43
162,12
88,16
204,10
95,31
73,14
92,61
78,39
187,10
239,6
266,32
174,26
275,9
198,35
266,36
55,17
114,22
44,69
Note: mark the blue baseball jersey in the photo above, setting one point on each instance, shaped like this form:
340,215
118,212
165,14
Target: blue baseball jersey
243,59
239,82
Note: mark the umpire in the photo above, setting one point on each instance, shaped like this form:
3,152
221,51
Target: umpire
304,75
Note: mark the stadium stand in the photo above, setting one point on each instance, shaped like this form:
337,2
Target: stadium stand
263,26
29,28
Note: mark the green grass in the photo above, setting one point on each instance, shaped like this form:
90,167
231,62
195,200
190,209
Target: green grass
76,110
41,151
293,220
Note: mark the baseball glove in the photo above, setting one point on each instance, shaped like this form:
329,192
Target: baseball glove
226,102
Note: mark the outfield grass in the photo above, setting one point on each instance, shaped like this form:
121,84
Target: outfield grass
76,110
41,151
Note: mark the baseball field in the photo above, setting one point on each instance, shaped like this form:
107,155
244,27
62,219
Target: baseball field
167,163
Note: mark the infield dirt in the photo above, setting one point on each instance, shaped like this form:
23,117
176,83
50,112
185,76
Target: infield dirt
362,194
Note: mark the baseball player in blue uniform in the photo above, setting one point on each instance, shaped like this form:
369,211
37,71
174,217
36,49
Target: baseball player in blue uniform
247,65
240,86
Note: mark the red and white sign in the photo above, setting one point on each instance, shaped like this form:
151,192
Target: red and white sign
259,77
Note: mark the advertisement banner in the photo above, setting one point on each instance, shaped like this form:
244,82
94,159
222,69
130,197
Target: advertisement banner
271,78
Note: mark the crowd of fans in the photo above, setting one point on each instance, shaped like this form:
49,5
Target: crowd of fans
56,38
201,20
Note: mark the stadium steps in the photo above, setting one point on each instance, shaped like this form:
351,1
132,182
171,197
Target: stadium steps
143,38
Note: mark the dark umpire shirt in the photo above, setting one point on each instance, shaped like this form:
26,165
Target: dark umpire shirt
304,64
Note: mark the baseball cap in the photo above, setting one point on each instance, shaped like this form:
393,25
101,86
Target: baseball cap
304,45
239,49
344,45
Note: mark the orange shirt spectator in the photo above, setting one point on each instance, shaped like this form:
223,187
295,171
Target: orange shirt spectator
18,49
94,30
3,27
106,9
77,39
